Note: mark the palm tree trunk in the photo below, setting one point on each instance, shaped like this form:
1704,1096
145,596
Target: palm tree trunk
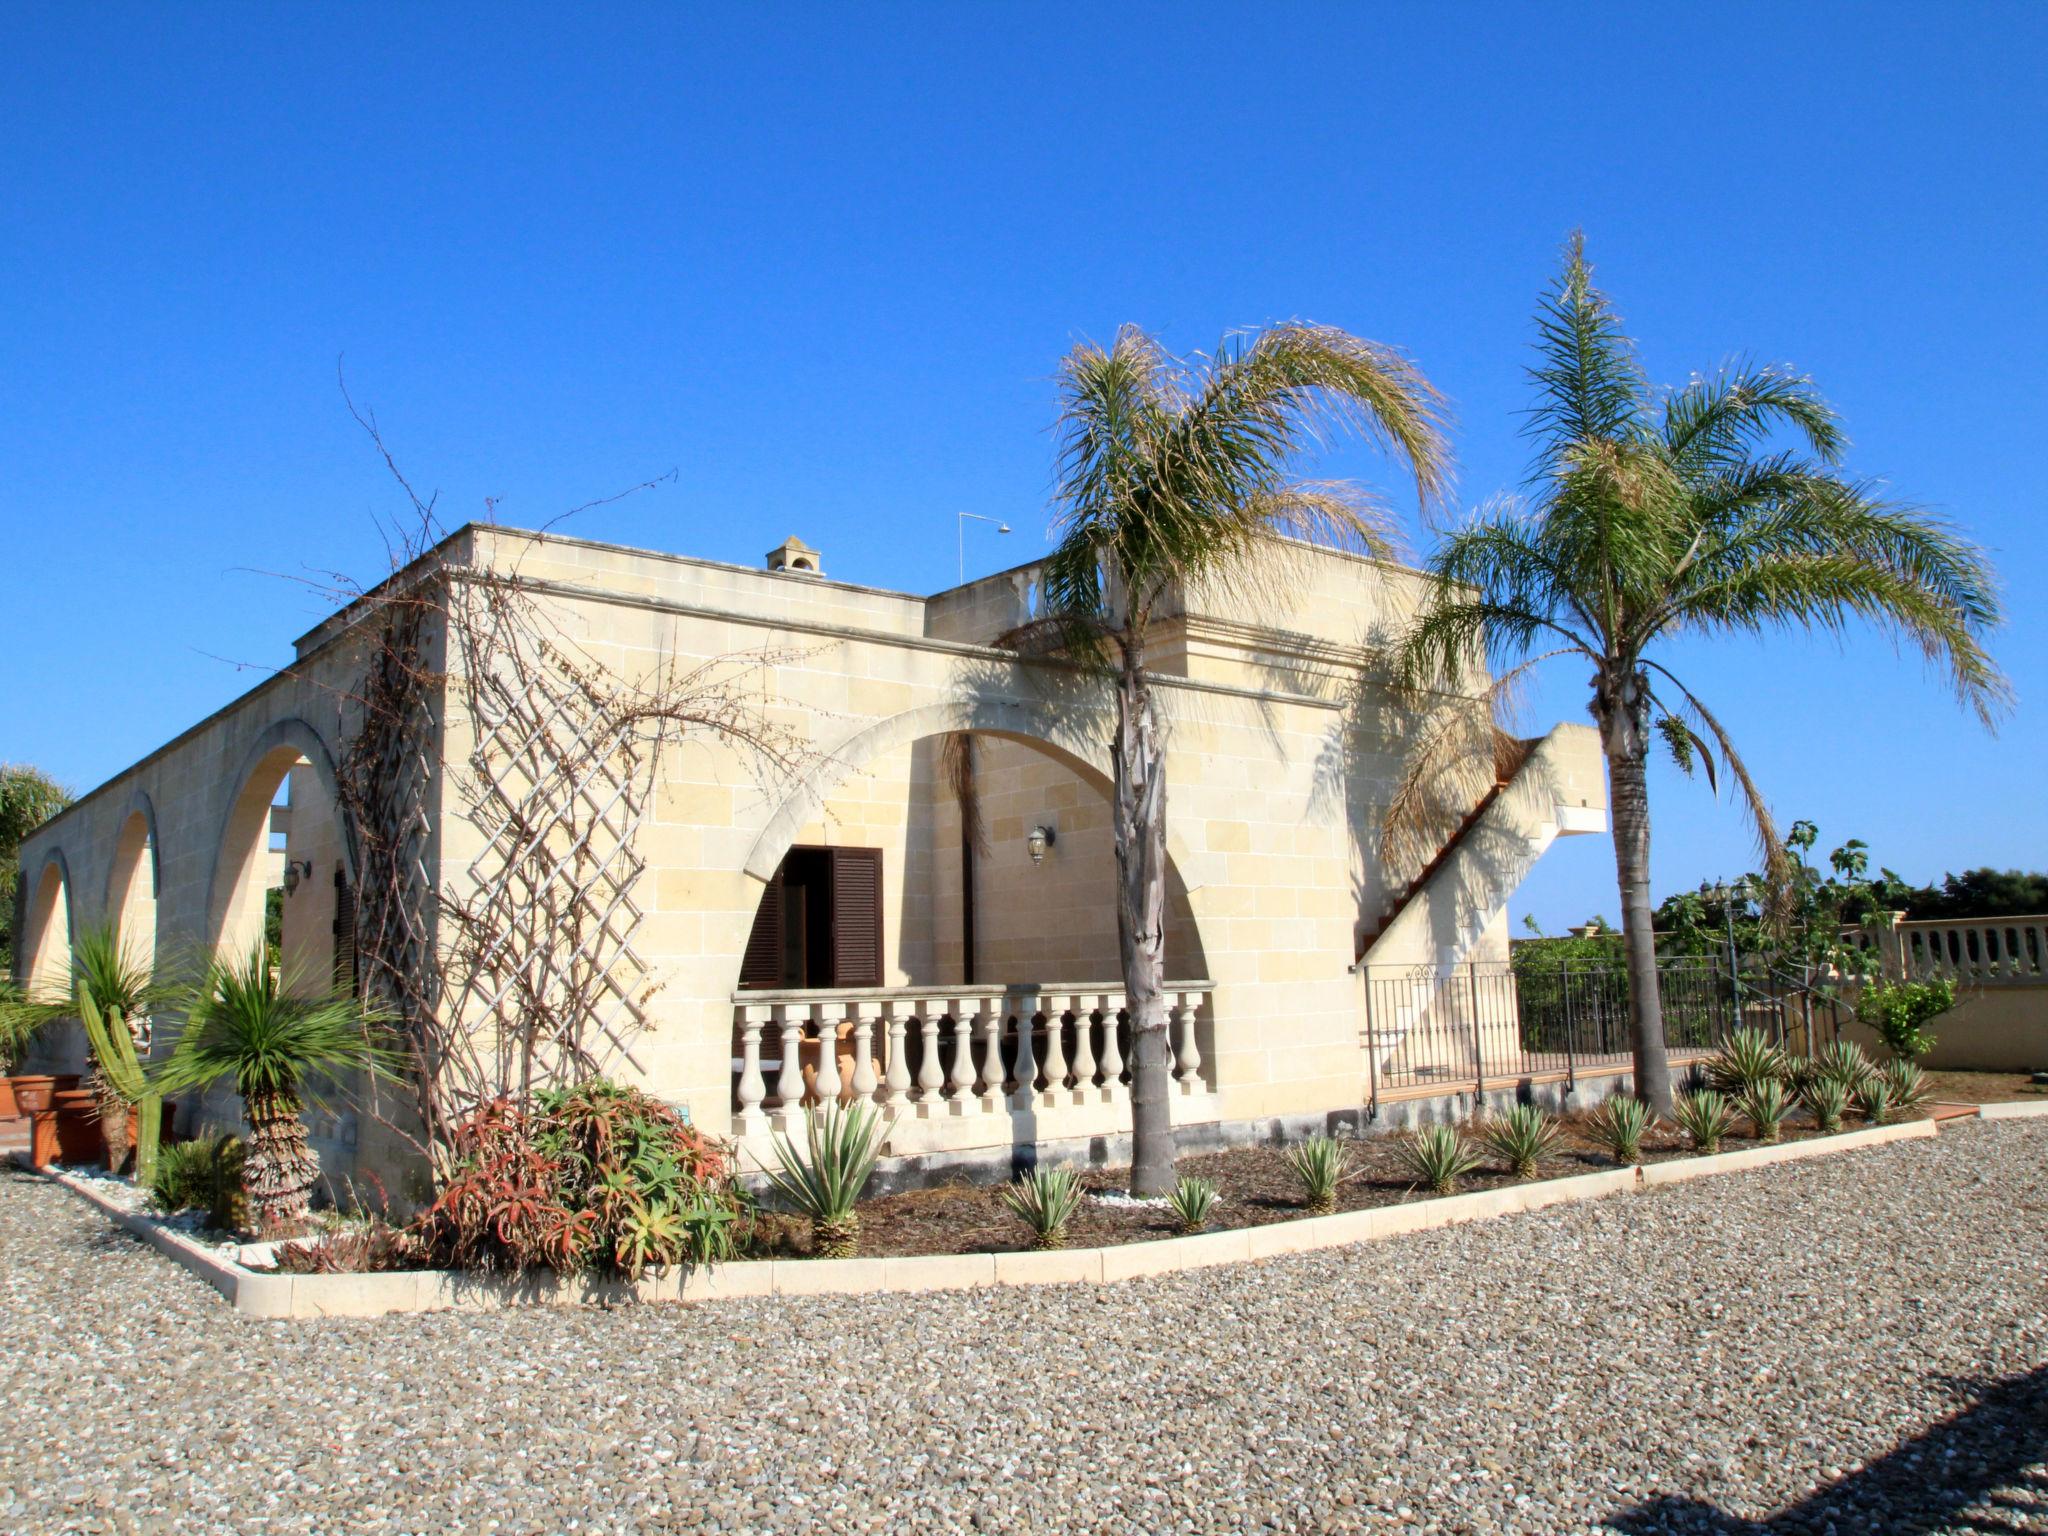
1140,811
113,1117
1629,801
280,1172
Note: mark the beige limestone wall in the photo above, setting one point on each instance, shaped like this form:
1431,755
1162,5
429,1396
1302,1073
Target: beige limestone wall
1991,1029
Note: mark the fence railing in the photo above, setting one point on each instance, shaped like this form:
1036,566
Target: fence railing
1481,1025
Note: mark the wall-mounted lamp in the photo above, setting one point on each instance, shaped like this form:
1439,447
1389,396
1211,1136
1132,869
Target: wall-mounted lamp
296,870
1041,838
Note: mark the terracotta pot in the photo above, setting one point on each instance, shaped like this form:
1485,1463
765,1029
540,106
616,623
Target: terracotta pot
32,1094
8,1107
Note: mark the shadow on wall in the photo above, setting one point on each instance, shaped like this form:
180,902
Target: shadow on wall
1980,1469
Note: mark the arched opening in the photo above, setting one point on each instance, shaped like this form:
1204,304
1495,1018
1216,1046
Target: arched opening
132,886
46,972
917,870
282,876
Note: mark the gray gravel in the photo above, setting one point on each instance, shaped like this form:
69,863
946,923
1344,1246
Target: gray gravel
1849,1345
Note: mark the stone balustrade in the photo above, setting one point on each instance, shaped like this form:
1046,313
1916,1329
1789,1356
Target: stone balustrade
960,1068
1976,952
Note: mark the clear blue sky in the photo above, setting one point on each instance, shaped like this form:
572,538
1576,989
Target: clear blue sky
822,263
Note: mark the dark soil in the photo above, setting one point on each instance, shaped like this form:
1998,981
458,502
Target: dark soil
1254,1189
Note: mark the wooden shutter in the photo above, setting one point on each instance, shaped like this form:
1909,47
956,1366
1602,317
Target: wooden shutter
761,967
344,934
856,917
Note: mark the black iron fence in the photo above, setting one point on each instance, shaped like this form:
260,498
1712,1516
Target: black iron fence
1480,1025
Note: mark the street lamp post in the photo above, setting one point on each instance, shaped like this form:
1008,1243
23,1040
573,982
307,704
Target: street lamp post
961,527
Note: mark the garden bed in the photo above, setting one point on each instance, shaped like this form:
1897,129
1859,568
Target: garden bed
1254,1187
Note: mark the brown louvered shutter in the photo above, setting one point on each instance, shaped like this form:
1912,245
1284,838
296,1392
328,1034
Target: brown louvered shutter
761,967
856,917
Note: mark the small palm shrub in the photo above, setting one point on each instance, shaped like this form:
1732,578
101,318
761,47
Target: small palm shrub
1617,1128
1439,1156
203,1174
1906,1084
826,1185
1045,1200
1704,1117
1320,1164
1191,1202
1873,1098
1764,1106
1521,1138
1829,1101
1843,1062
1747,1057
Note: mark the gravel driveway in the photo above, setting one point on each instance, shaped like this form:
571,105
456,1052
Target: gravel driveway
1852,1344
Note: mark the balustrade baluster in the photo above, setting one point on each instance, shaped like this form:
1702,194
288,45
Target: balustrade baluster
1112,1052
961,1079
1188,1055
864,1015
827,1081
753,1088
789,1079
1084,1046
988,1023
1025,1068
896,1070
1055,1047
930,1080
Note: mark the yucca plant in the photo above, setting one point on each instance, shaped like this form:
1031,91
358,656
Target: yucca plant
1704,1117
1905,1084
825,1185
1439,1156
1842,1062
1829,1101
1521,1138
246,1020
1045,1200
204,1173
1764,1105
1617,1128
1746,1058
1873,1098
1191,1202
1320,1164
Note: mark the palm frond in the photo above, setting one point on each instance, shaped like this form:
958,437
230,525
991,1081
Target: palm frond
245,1020
1724,419
1590,387
1777,866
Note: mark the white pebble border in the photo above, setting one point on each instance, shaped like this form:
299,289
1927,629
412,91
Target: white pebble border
258,1294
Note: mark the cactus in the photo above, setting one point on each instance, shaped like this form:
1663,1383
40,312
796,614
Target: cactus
113,1047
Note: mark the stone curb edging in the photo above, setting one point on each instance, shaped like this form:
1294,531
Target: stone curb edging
2020,1110
259,1295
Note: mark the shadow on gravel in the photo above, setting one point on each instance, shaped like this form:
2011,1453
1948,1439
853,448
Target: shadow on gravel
1980,1469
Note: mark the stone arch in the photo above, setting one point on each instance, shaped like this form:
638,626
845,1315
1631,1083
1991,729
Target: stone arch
237,881
135,876
1036,723
1046,732
51,915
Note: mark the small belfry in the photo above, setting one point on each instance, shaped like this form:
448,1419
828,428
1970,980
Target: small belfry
796,557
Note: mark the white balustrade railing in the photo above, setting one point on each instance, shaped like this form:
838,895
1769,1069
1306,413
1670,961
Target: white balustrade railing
950,1051
1975,952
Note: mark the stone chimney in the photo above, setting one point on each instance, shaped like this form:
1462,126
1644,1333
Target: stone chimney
796,558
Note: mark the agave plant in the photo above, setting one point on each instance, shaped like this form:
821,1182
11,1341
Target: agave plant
1906,1085
1617,1128
260,1026
1191,1202
1320,1164
1521,1138
1764,1105
1045,1200
1829,1101
1439,1156
1843,1062
1873,1098
1746,1058
825,1186
1705,1118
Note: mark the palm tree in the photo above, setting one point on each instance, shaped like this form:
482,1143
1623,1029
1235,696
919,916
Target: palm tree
1658,516
243,1021
1174,472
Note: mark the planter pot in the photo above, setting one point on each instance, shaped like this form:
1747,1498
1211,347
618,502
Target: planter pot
31,1094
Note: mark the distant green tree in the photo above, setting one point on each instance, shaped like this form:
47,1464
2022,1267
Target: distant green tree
28,798
1979,893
